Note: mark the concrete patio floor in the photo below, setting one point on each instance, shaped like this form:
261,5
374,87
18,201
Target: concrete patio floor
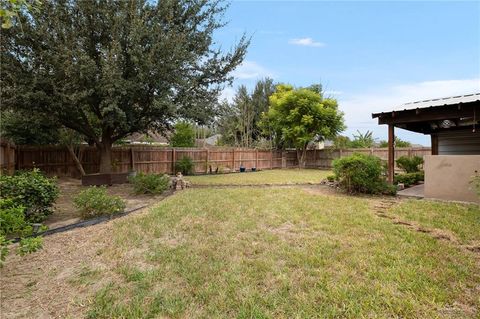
416,191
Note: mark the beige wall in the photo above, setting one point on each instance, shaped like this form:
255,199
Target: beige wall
448,177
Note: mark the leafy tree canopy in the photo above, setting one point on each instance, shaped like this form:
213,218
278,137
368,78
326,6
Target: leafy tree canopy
183,136
299,116
107,69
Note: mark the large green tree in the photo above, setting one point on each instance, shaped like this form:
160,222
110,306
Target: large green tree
300,116
238,121
110,68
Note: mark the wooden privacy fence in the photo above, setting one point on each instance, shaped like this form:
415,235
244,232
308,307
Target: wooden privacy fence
56,160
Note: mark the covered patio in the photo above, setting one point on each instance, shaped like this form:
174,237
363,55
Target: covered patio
453,125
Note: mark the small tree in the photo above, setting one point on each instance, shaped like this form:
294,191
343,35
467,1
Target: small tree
183,136
299,116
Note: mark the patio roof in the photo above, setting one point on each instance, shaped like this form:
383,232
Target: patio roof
435,115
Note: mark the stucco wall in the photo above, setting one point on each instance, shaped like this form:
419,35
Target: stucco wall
448,177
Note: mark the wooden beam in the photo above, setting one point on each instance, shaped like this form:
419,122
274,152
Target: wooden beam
391,153
434,142
451,112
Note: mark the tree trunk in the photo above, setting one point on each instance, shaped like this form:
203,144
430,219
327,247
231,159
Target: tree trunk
77,161
105,149
301,157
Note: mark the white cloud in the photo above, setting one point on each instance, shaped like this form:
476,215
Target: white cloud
358,108
251,70
308,42
228,94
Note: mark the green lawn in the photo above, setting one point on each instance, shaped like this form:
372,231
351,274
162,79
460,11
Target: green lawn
463,221
280,253
274,177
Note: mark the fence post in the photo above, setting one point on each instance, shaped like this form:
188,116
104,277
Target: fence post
284,159
173,161
132,159
207,159
409,152
233,160
7,157
256,158
271,159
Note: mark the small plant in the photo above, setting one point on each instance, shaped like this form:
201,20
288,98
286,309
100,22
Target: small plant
360,173
32,190
410,164
94,201
3,249
184,165
12,217
149,183
30,245
331,178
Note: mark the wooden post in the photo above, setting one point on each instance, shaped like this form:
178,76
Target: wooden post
271,159
173,161
391,153
132,159
256,158
207,159
7,158
434,142
233,160
284,159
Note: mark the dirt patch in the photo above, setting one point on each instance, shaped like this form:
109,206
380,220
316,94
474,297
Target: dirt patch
65,213
38,286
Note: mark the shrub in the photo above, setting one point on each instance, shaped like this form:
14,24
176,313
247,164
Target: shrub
12,223
409,178
3,249
32,190
149,183
360,173
331,178
30,245
94,201
184,165
12,217
410,164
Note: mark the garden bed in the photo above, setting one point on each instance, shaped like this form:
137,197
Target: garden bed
65,213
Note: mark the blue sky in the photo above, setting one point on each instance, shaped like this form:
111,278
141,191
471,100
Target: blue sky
371,56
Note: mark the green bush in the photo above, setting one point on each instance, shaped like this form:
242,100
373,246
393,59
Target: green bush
409,179
360,173
32,190
12,223
12,217
149,183
410,164
331,178
94,201
3,249
184,165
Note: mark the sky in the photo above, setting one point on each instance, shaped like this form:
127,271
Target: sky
370,56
